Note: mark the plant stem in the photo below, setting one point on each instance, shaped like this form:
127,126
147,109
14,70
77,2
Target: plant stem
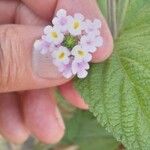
121,147
112,19
121,12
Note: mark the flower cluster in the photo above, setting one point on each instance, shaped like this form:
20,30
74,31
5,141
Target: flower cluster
71,41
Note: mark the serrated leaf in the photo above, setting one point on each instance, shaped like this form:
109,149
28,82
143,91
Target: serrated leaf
118,91
83,129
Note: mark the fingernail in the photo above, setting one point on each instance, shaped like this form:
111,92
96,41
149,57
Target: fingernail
59,119
42,63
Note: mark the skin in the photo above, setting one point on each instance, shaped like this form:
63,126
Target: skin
24,111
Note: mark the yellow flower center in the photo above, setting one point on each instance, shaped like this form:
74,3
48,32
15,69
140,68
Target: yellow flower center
54,35
61,55
76,25
81,53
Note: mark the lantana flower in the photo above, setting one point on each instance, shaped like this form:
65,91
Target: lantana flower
61,20
71,41
61,56
53,35
81,54
75,24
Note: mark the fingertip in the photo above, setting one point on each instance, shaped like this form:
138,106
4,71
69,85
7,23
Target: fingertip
106,50
42,116
54,138
58,133
18,137
11,125
72,96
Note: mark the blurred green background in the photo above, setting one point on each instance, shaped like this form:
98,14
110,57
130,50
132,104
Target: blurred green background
82,130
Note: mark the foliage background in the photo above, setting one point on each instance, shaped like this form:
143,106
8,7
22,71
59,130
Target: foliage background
118,90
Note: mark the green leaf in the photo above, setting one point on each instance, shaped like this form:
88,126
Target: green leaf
84,131
118,90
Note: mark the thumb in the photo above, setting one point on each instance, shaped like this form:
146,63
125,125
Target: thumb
20,68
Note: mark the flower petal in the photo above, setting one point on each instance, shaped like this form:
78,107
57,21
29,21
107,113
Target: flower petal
82,74
61,13
55,21
67,74
79,16
48,29
38,45
44,51
98,41
88,58
97,23
74,67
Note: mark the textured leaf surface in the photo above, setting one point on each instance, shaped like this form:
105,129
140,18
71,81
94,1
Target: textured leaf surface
118,91
84,131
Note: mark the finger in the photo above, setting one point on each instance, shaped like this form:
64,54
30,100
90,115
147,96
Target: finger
8,10
22,67
71,95
90,10
18,12
45,8
42,116
11,124
26,16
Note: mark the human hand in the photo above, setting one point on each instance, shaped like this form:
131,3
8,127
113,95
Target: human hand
35,111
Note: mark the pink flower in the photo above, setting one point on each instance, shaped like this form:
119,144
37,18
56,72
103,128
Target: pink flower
81,54
66,70
90,42
92,27
76,24
53,35
61,56
80,68
61,20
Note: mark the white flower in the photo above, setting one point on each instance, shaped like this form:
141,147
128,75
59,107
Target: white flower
53,35
38,45
80,68
75,24
81,54
92,27
61,21
41,46
61,56
90,42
